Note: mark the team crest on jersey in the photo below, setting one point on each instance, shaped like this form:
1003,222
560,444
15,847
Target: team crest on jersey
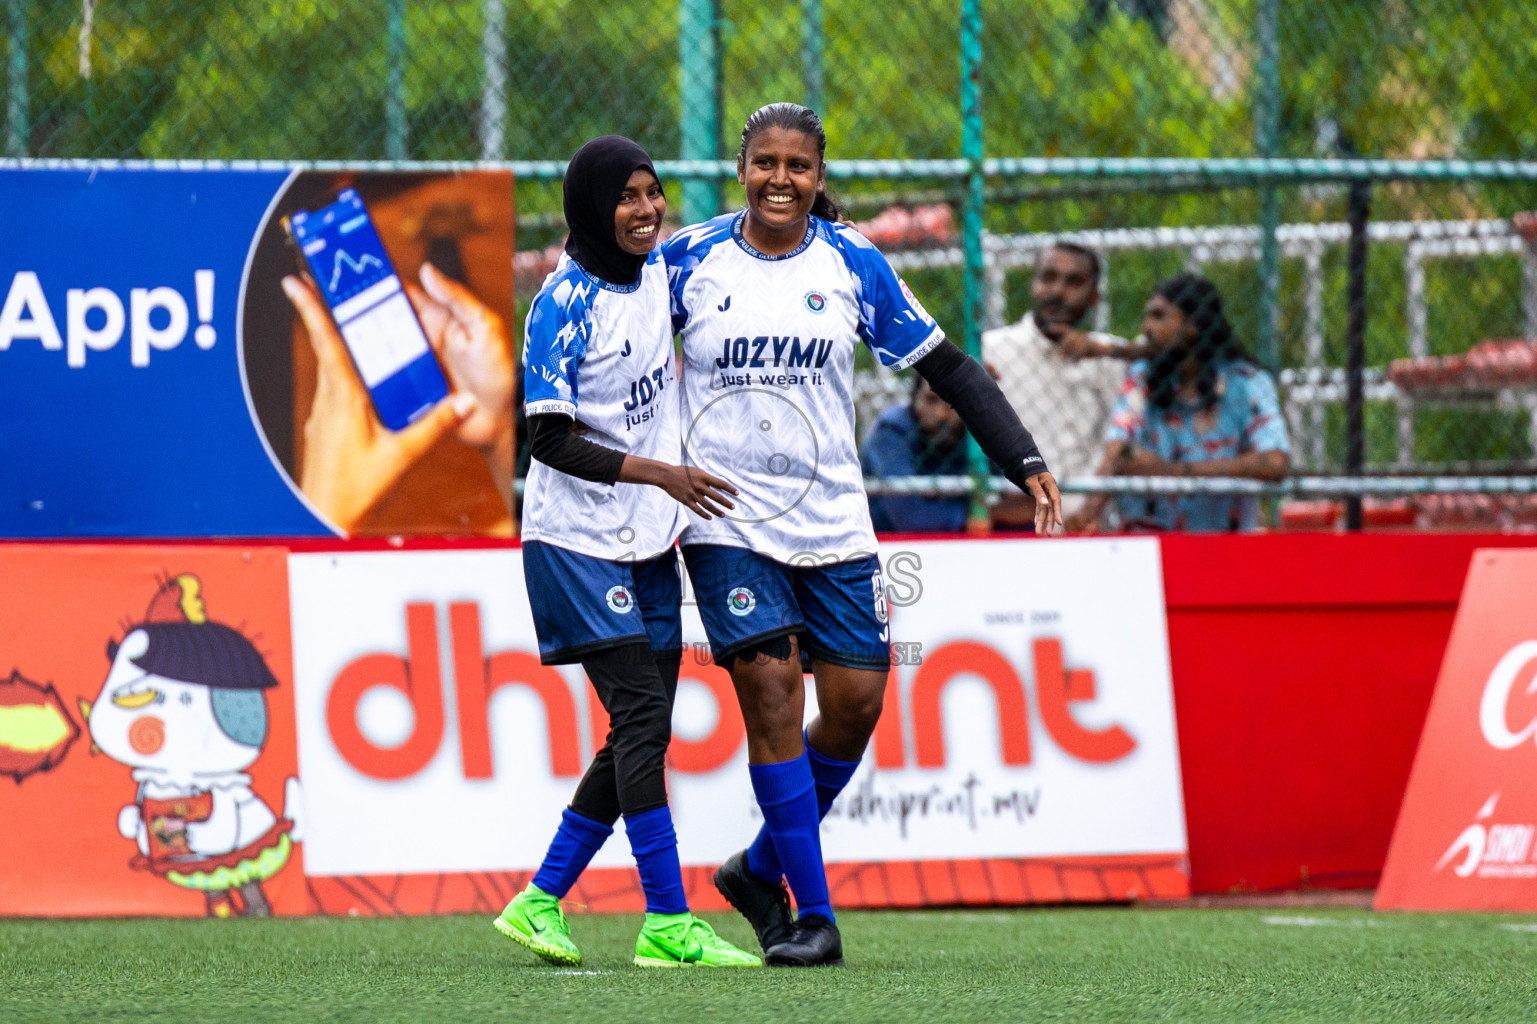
741,601
816,301
620,600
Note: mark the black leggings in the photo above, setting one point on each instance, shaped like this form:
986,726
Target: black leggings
629,774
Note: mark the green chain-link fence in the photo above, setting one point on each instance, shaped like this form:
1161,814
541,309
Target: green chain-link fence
1448,276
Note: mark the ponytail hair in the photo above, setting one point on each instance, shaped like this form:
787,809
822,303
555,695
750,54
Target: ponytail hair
796,118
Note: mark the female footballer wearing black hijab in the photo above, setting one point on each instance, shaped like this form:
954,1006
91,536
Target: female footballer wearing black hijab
602,573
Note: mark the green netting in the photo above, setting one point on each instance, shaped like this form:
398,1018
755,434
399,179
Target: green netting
1194,80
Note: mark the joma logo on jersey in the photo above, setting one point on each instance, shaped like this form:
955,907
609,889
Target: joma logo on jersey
773,351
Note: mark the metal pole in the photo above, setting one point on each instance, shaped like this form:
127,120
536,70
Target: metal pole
1267,139
811,53
971,222
493,89
1529,290
87,25
16,127
1360,205
395,85
699,95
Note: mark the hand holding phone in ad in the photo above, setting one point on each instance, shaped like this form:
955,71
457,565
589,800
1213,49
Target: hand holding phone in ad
339,250
351,459
472,343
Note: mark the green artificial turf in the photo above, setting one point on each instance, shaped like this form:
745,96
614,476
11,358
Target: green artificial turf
1114,964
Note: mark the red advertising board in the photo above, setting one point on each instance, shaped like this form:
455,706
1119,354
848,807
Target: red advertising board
147,730
1464,835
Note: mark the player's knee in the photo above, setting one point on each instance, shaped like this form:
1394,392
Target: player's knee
856,708
860,713
772,702
645,714
772,710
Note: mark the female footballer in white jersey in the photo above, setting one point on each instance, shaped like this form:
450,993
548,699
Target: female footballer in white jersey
602,575
772,303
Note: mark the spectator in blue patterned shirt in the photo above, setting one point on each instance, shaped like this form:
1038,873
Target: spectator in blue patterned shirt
1199,407
920,437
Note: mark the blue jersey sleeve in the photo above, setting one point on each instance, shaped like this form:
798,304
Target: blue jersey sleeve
555,341
683,252
891,321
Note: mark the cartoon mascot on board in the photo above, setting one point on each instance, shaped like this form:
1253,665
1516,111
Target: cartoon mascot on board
183,706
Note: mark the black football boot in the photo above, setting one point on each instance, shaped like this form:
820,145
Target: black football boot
766,905
815,943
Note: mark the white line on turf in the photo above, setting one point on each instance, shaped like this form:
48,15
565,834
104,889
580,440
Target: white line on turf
1519,927
1317,922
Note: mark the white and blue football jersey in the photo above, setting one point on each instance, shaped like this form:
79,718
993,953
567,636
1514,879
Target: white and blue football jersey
768,369
603,355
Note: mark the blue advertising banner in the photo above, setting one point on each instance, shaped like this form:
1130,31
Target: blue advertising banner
169,369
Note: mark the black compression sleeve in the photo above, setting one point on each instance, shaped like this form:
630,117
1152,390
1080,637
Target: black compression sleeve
976,397
552,441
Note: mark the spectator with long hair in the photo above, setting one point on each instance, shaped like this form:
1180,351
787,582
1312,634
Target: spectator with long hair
1201,406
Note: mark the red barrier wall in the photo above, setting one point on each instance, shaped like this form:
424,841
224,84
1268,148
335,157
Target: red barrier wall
1303,667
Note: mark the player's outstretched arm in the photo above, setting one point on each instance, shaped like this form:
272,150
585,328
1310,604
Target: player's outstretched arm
554,442
977,399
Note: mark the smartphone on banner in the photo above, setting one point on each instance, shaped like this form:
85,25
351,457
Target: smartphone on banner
341,253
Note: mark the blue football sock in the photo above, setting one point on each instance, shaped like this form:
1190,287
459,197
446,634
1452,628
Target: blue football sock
655,846
575,842
830,776
787,794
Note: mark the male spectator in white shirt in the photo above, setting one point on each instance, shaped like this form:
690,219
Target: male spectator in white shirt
1061,380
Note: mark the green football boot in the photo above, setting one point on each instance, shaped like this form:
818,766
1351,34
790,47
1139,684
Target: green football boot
534,919
682,940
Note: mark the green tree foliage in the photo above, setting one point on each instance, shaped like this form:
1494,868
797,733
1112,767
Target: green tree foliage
306,78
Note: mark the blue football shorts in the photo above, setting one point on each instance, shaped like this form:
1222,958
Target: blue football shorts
838,610
583,604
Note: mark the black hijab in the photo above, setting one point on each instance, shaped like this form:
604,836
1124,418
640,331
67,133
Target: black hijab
595,179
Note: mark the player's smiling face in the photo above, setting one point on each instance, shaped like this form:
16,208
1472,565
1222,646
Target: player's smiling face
638,217
782,173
